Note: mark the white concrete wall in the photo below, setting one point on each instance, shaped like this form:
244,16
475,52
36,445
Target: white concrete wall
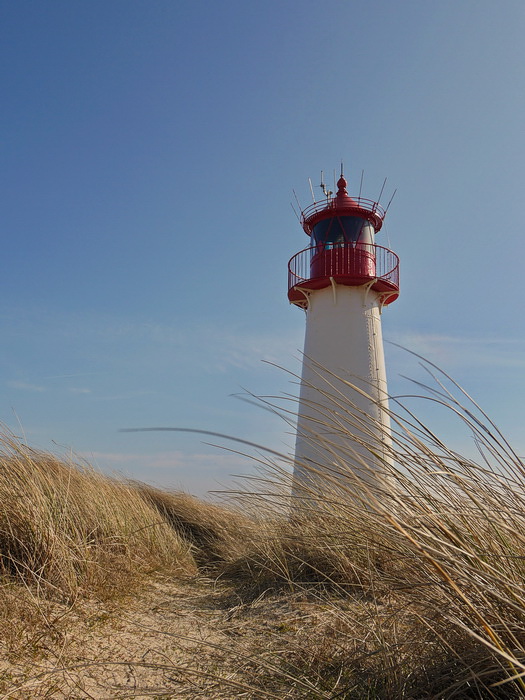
343,343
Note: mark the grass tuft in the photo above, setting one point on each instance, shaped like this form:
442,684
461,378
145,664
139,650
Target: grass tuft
216,534
65,528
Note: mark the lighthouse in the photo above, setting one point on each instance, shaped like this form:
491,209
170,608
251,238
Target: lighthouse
343,281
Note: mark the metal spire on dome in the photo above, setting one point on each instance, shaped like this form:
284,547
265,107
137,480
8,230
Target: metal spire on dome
342,184
341,187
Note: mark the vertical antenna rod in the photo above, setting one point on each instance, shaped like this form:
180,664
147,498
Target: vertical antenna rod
297,200
382,188
390,202
326,191
311,189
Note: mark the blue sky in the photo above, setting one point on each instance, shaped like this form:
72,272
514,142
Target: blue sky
150,149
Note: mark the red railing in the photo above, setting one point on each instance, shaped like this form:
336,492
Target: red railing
351,263
323,205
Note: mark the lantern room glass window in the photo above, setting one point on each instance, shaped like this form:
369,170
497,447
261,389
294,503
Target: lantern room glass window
339,229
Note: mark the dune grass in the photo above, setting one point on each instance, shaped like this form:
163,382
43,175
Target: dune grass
216,534
424,577
412,591
65,529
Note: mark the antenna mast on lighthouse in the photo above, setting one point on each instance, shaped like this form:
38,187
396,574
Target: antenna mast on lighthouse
342,280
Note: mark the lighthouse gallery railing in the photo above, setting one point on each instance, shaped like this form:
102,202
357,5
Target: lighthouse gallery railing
345,264
359,202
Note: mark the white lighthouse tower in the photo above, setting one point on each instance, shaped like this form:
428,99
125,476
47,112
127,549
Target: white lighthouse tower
342,280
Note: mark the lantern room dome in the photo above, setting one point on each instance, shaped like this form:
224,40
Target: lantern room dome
344,211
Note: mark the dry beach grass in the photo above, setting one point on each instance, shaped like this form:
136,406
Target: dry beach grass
119,590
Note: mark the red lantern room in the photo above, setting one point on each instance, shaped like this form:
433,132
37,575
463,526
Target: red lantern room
342,249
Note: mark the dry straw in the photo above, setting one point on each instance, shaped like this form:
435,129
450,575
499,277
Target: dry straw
65,528
440,542
409,587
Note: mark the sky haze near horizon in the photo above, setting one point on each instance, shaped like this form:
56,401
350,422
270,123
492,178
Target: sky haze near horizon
149,155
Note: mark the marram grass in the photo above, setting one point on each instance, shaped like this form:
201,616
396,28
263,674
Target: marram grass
412,589
438,547
65,528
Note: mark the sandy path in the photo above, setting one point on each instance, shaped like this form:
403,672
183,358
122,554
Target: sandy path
172,640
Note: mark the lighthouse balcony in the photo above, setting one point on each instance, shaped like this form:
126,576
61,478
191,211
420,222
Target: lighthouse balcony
346,263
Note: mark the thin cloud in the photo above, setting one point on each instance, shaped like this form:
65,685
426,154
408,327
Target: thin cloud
26,386
124,395
213,464
69,376
206,346
197,473
464,351
246,350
